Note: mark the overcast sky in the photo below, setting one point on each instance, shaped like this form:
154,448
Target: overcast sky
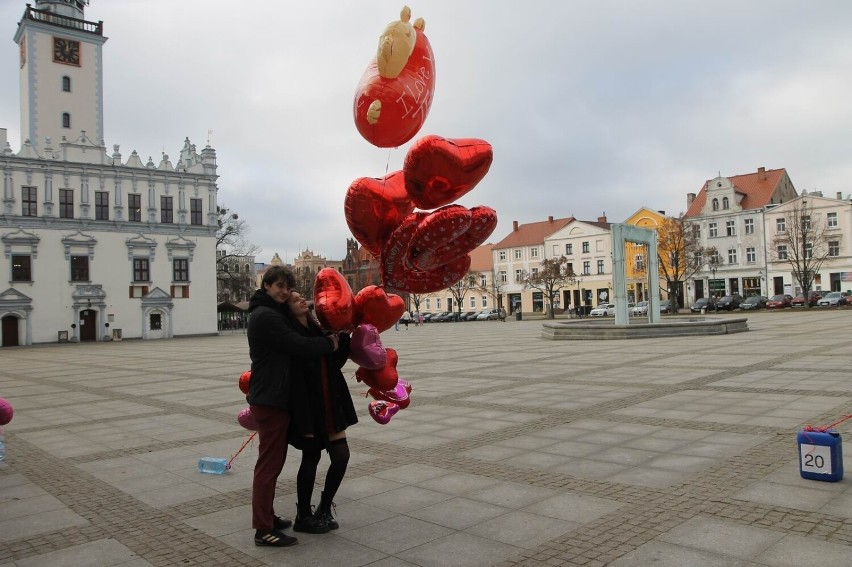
591,107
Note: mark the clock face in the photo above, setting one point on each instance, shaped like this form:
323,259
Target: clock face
66,51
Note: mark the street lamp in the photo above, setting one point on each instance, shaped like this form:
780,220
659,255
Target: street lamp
713,276
579,298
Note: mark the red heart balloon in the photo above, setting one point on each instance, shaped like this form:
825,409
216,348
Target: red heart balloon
375,207
385,378
483,221
437,229
333,300
244,381
390,111
440,170
397,273
378,308
382,411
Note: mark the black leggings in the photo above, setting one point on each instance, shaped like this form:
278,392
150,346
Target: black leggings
338,452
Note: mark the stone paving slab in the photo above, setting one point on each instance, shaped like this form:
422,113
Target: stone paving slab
516,450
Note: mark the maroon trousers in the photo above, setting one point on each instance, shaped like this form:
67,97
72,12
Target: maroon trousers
272,424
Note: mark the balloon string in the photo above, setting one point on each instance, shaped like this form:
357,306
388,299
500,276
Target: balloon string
824,428
247,441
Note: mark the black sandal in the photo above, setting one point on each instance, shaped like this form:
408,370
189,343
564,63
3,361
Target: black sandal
273,538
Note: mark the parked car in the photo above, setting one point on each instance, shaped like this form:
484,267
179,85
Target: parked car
467,315
729,302
845,300
439,317
832,299
487,315
702,303
665,306
779,301
640,309
754,302
813,298
603,310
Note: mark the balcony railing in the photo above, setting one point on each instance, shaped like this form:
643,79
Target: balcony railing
63,21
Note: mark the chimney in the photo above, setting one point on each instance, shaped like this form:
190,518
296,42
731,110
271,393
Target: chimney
514,225
602,219
690,197
550,219
761,173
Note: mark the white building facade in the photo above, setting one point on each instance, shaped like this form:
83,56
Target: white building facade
96,247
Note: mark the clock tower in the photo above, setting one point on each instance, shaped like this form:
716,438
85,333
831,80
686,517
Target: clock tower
61,73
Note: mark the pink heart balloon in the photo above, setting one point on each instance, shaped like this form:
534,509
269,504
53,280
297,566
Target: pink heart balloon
366,348
382,411
247,420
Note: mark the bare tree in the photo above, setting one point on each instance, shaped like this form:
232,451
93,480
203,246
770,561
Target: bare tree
803,244
680,254
233,250
459,290
549,278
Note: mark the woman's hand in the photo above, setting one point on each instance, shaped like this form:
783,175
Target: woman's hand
334,342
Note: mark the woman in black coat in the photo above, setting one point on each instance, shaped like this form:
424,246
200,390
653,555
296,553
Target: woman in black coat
322,410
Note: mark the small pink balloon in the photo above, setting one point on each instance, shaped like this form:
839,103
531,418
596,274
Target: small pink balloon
247,420
406,385
366,348
382,411
6,411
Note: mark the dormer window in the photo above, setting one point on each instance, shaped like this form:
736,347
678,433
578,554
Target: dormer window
715,204
66,84
725,203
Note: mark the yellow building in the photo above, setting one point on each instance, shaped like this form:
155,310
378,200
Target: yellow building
636,254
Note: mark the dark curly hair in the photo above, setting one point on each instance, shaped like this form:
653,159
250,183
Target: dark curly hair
279,273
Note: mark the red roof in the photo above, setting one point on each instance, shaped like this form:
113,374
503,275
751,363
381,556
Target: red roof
532,233
481,259
758,188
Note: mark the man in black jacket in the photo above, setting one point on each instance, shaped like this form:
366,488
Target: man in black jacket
272,341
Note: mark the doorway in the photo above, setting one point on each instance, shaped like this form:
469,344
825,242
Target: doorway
10,331
88,325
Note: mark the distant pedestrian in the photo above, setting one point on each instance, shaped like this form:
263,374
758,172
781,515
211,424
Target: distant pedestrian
406,319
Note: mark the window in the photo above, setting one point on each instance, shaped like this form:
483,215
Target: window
181,269
569,268
585,247
715,204
535,272
518,255
806,222
751,255
503,276
569,249
640,262
714,230
472,302
555,250
66,120
586,268
195,212
502,255
438,304
166,211
600,266
66,203
428,304
831,220
781,251
730,228
66,84
22,269
732,255
518,275
696,231
79,268
483,280
134,207
749,226
101,205
725,204
140,270
534,252
781,225
485,301
809,250
834,248
28,201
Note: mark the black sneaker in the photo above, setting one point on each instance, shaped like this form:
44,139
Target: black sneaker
312,524
273,538
327,516
280,523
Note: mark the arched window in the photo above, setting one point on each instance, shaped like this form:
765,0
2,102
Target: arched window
66,84
66,120
715,204
247,268
725,202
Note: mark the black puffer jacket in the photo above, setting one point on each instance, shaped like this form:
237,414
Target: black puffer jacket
272,344
308,416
